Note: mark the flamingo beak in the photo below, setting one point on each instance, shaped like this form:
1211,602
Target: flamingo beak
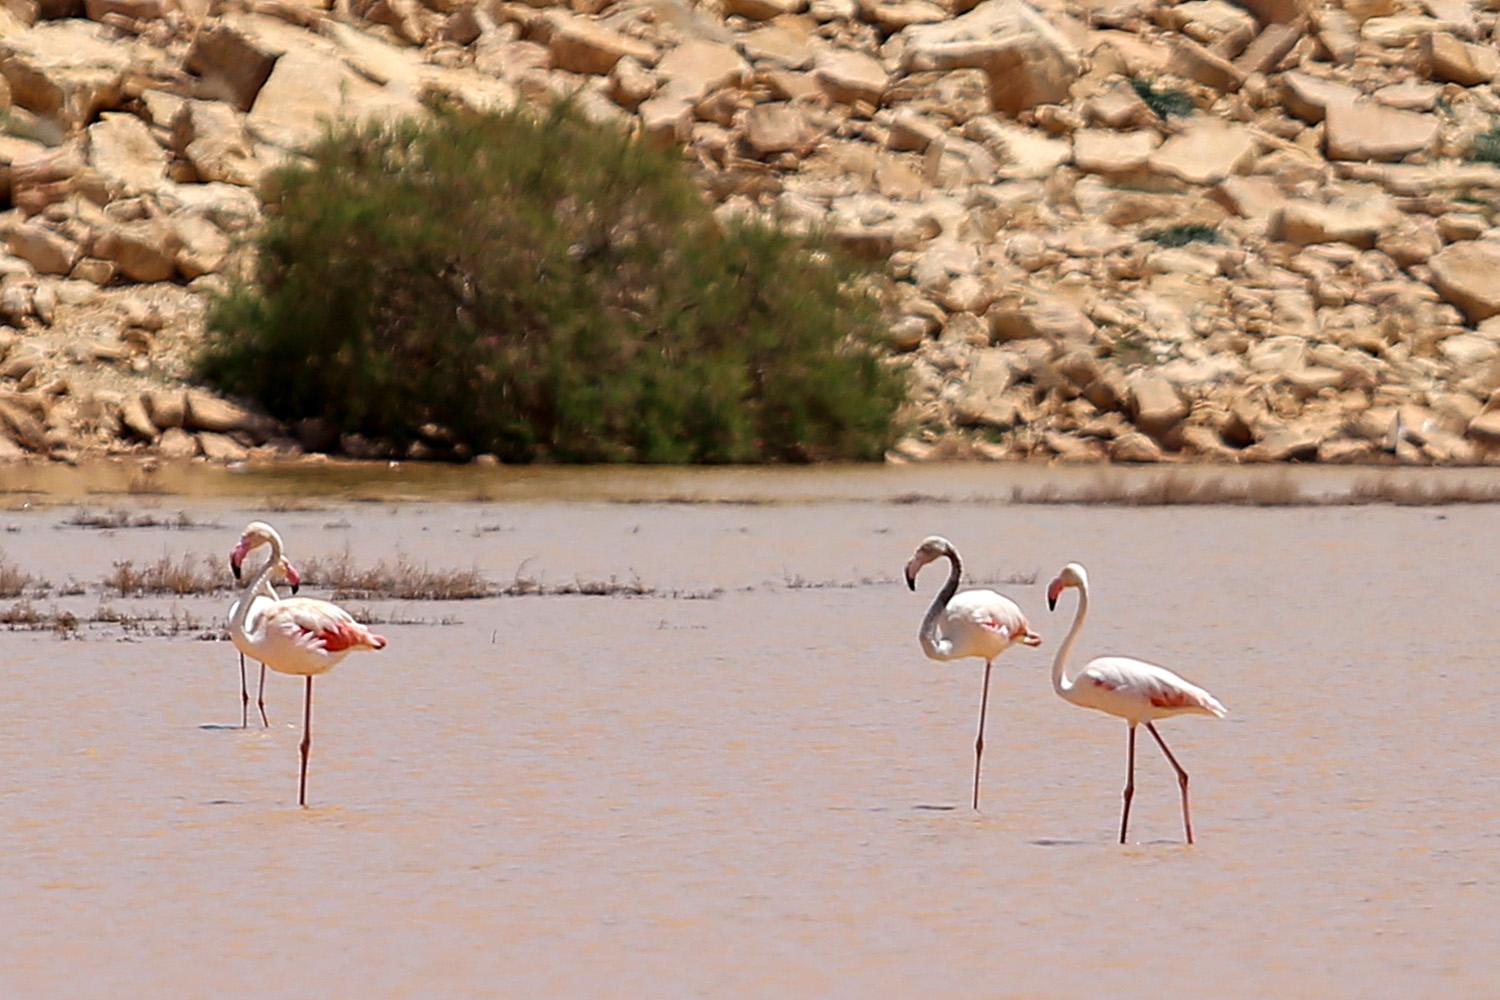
1054,590
237,557
293,578
912,566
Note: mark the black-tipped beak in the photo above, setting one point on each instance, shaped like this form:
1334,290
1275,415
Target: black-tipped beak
1051,603
911,580
234,566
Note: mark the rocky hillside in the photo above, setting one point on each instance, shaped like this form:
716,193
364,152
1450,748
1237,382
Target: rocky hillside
1118,229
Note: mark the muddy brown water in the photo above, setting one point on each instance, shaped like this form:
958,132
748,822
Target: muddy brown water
763,792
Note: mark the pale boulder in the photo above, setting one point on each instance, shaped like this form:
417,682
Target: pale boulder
1467,275
1206,152
232,66
1365,130
1027,59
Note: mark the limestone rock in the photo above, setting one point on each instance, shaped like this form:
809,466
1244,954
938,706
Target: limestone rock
1309,97
309,86
221,447
848,77
67,71
141,251
776,127
46,251
1133,446
1194,62
1028,60
1365,130
1102,151
233,67
1156,408
581,45
1468,276
136,420
1458,62
201,247
1206,152
764,10
212,137
686,75
166,407
1355,222
176,443
124,152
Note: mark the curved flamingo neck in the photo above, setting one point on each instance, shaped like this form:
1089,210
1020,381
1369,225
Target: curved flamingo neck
254,586
935,648
1060,682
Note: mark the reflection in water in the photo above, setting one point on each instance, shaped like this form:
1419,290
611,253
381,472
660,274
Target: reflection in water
753,793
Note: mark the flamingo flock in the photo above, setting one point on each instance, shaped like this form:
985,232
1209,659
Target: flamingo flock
304,637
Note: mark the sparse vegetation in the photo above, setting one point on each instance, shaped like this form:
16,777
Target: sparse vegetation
1486,146
111,520
400,578
1164,103
545,288
1183,234
14,580
182,575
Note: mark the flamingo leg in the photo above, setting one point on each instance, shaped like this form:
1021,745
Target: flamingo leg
244,695
1182,782
984,700
260,698
306,743
1129,786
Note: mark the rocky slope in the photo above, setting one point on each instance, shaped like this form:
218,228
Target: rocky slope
1118,229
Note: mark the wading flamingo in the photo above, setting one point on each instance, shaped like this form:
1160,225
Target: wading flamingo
267,592
978,623
297,635
1134,690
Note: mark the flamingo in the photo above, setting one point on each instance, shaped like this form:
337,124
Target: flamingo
266,591
978,623
1134,690
295,635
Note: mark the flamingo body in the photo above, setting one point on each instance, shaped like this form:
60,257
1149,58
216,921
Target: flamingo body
978,623
299,636
302,636
1134,690
1138,691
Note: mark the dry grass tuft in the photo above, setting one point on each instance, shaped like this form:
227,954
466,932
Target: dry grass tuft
1171,489
533,586
14,580
111,520
1420,493
402,579
183,576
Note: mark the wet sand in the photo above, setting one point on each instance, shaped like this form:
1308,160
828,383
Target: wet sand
765,793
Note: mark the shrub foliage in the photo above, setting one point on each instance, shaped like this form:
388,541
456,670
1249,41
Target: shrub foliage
545,288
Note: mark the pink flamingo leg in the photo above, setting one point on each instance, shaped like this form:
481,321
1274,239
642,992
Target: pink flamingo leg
260,698
306,743
1129,787
244,695
984,700
1182,782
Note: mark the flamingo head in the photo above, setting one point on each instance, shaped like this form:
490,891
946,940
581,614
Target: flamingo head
1072,575
932,547
256,534
290,575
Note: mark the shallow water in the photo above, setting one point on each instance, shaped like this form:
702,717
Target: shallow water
765,792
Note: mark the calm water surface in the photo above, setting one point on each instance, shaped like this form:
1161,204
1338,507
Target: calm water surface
762,790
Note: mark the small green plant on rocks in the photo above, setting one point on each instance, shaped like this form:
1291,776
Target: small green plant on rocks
1164,103
1182,235
1486,146
544,288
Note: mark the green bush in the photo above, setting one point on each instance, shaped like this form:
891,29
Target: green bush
1166,102
1486,146
545,288
1183,234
